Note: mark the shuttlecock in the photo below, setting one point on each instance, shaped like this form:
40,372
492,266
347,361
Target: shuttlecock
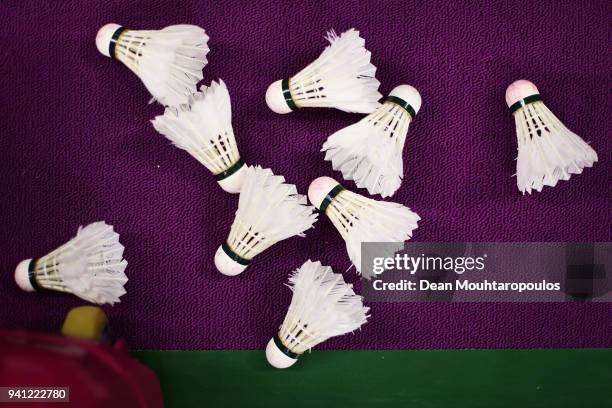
323,306
269,211
360,219
342,78
203,127
90,266
370,151
547,150
169,61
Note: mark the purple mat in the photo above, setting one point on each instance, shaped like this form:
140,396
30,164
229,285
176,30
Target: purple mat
78,147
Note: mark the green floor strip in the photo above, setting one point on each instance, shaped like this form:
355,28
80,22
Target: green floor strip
427,379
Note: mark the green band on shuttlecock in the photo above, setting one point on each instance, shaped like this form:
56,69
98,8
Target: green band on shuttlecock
287,95
235,257
32,275
284,349
330,196
401,103
113,41
233,168
525,101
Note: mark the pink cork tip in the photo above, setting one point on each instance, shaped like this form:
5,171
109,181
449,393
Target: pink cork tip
275,98
104,36
319,188
520,90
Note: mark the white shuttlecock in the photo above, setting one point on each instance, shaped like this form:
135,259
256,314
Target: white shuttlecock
323,306
269,211
370,151
342,77
203,127
169,61
547,150
360,219
90,266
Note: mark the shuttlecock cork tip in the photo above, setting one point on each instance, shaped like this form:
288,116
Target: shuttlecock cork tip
233,183
275,98
104,36
319,188
520,90
409,94
226,265
22,276
276,357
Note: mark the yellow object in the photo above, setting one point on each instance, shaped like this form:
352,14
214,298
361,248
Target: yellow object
85,322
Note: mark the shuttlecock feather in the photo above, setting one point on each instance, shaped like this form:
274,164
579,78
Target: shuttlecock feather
370,151
547,150
323,306
359,219
269,211
342,77
169,61
90,266
203,128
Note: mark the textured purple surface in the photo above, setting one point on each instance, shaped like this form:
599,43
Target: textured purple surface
78,147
